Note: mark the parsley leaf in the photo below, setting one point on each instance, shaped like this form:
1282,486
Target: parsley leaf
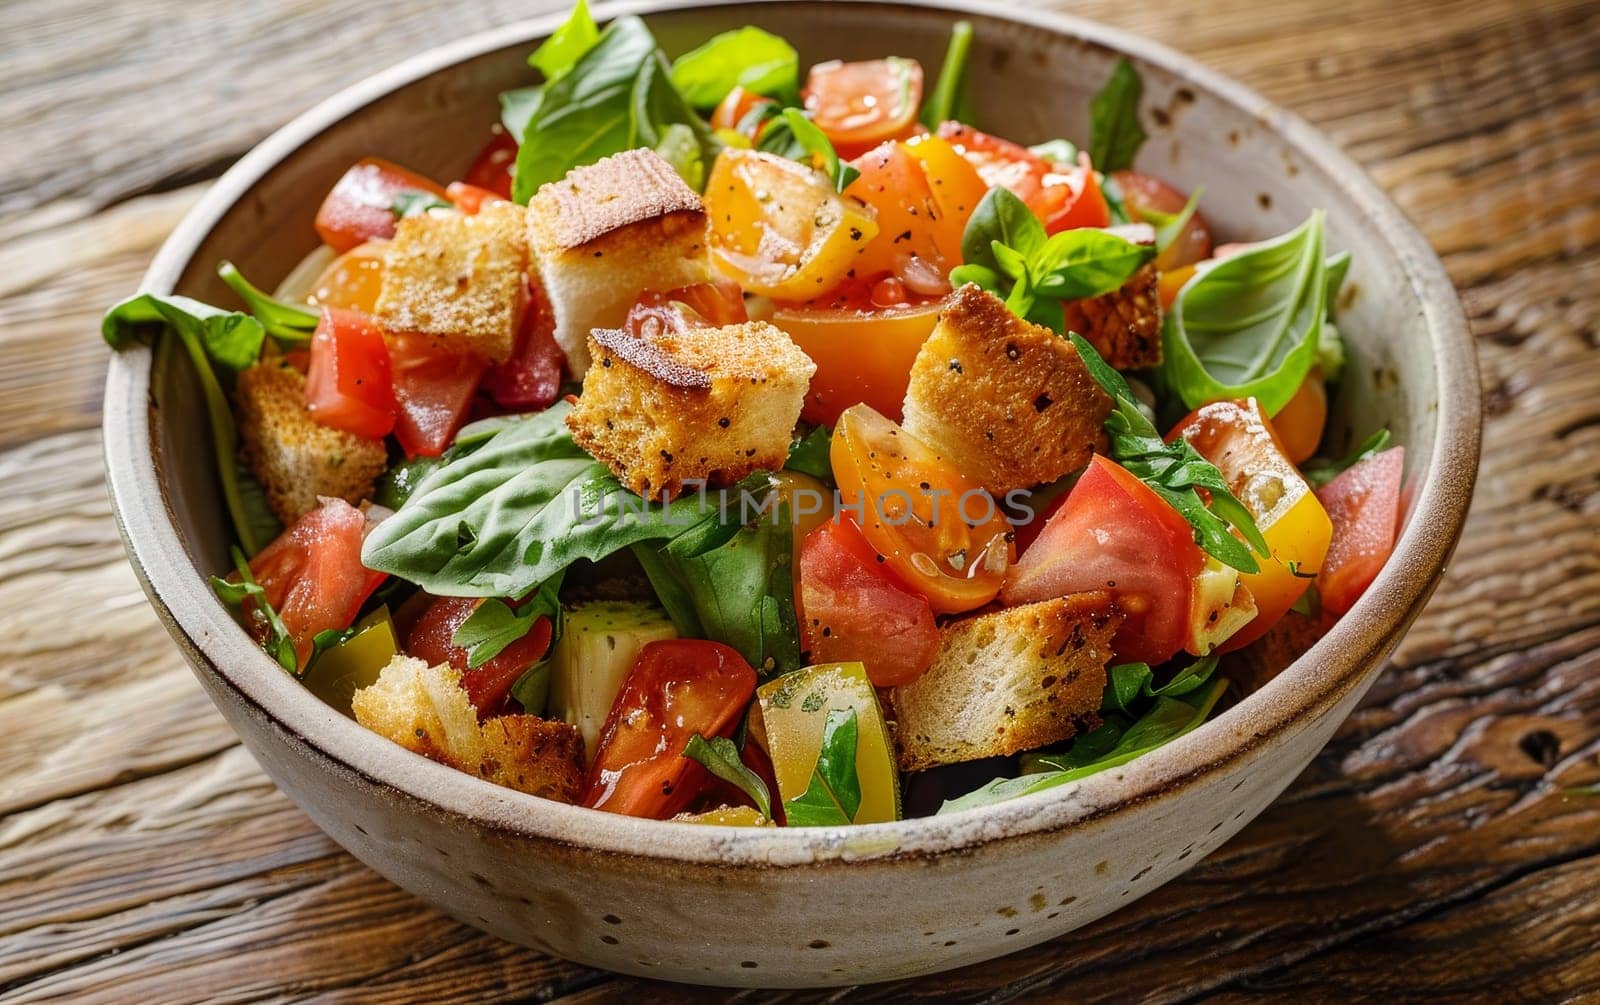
1115,134
719,756
834,795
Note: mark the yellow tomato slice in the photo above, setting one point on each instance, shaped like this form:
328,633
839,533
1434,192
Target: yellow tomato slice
956,186
779,229
861,355
939,533
353,280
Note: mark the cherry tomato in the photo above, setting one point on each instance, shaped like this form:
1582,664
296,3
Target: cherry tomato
353,280
1114,533
677,687
939,533
1002,163
1237,437
863,354
851,608
1080,203
1299,424
470,198
492,170
431,637
312,574
913,236
360,205
702,305
348,385
1141,192
1170,283
859,105
1364,504
433,388
530,378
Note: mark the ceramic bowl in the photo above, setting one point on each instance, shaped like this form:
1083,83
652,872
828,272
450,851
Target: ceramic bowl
807,906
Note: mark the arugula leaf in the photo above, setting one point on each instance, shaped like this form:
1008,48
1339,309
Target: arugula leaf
416,203
1168,719
494,624
719,756
1128,683
288,323
950,97
834,795
747,57
277,641
1174,470
816,144
511,514
810,454
558,54
1319,471
1115,134
1250,325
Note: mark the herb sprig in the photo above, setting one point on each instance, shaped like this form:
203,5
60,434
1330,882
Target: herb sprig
719,756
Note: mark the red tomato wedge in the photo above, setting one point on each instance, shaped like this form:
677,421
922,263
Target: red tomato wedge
1081,203
492,170
676,688
433,388
716,304
312,574
488,685
1141,192
859,105
360,205
349,385
470,198
851,608
1364,504
1114,533
530,379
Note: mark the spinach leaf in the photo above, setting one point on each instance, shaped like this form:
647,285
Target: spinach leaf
834,795
1129,683
747,57
288,323
558,54
526,504
494,624
950,98
1250,325
1174,470
719,756
810,455
1115,134
817,145
1319,471
1168,719
277,641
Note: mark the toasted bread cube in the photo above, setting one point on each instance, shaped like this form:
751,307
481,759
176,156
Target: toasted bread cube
460,279
1124,326
714,404
1006,401
293,456
426,710
1013,680
607,233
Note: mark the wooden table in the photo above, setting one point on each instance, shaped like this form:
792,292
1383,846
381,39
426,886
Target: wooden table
1438,847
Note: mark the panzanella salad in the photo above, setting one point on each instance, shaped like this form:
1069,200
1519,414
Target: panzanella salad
736,444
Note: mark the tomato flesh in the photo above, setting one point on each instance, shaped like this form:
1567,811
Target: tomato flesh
1081,203
491,171
735,105
714,304
312,574
863,354
433,387
489,684
529,380
1299,424
1364,504
677,687
353,280
360,205
939,533
349,385
1141,192
1113,533
470,198
859,105
913,236
853,609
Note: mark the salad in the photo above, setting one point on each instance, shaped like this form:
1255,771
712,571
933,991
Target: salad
741,446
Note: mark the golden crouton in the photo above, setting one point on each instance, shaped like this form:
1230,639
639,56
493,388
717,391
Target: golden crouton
609,232
1008,402
1013,680
425,710
293,456
461,279
713,404
1124,325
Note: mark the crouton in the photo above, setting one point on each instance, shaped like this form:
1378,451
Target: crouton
425,710
713,404
1013,680
460,279
606,234
1006,401
293,456
1124,326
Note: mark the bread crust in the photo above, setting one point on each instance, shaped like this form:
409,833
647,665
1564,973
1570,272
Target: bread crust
611,195
1124,326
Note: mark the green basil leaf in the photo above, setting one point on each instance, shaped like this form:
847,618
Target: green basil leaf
517,108
494,624
834,795
1250,325
1115,133
230,338
1169,225
811,455
1338,267
276,639
679,147
558,54
1129,683
1114,201
1056,151
1085,262
289,323
1319,471
747,57
416,203
722,519
950,98
816,144
719,756
660,117
1000,217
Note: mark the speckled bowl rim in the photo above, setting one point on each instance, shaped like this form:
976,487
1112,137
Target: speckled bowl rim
1346,659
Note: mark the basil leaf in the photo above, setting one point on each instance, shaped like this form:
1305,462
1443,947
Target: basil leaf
494,625
950,98
517,108
1056,151
513,513
661,117
532,689
1250,325
723,520
558,54
719,756
1338,267
276,641
811,455
285,322
679,147
1114,201
1128,683
816,144
747,57
834,795
1000,217
1086,262
1319,471
1115,134
1168,719
416,203
230,338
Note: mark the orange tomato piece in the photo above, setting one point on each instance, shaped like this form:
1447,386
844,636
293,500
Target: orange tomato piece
1299,424
353,280
861,355
909,245
956,187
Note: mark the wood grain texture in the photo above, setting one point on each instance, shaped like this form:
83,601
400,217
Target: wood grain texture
1435,849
